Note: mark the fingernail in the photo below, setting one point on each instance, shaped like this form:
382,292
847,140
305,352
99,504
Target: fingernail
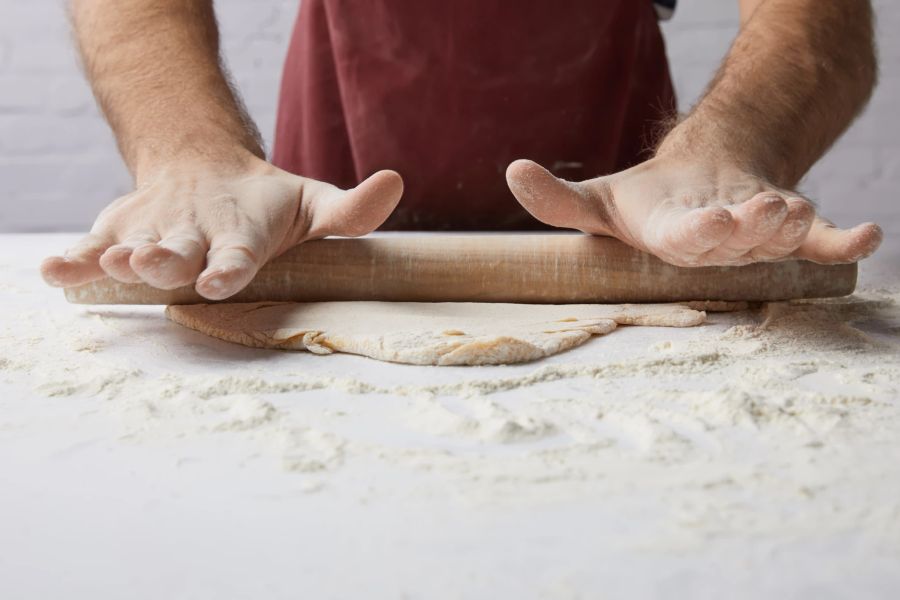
212,280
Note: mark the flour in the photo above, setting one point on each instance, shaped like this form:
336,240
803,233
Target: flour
788,404
487,421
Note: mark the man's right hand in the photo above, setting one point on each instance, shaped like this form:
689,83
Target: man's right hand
215,225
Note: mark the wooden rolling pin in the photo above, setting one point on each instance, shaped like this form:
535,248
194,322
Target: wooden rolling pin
539,268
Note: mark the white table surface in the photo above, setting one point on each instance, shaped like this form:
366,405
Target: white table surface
98,500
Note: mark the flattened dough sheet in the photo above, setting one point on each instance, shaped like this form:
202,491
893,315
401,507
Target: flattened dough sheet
422,333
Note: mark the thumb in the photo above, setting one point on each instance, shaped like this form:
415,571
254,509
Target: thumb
357,211
555,201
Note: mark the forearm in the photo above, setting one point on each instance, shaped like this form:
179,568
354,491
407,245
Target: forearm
155,70
795,78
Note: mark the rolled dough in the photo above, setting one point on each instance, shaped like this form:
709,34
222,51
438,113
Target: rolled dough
423,333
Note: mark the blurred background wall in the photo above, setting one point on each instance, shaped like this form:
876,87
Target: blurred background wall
59,165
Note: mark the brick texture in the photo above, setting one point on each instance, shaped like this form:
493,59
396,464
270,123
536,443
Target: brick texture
59,166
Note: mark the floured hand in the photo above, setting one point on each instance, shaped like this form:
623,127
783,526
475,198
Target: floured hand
216,225
692,214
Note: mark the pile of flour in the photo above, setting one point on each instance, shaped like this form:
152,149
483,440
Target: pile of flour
784,413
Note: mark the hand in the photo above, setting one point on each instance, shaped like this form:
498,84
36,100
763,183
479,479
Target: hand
217,225
692,213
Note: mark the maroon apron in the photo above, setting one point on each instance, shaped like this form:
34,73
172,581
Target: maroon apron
449,92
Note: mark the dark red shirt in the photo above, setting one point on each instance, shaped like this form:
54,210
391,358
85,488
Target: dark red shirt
449,92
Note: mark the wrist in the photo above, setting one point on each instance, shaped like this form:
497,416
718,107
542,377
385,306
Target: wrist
689,149
711,137
211,158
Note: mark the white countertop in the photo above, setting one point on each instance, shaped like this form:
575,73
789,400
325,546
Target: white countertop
142,460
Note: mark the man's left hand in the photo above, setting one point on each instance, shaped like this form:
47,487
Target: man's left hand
692,213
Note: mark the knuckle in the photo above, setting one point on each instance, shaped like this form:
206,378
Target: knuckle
248,252
804,209
238,253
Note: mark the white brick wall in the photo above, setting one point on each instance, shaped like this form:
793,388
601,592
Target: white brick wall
59,166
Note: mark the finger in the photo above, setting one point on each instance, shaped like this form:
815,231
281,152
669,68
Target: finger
353,212
554,201
80,264
799,219
116,260
231,264
176,260
827,244
755,222
681,236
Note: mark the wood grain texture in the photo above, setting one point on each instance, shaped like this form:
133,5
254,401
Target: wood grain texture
523,268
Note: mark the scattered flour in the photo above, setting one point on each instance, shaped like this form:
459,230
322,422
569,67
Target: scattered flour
782,419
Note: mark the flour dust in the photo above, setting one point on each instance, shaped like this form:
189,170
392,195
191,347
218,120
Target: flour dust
786,413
